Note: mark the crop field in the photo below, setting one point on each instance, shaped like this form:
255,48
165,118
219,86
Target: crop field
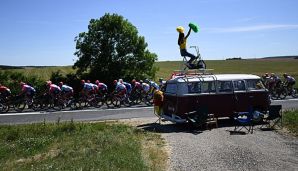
257,66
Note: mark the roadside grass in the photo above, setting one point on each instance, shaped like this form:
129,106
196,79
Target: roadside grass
80,146
290,121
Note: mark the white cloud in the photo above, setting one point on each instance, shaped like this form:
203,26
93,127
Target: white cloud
253,28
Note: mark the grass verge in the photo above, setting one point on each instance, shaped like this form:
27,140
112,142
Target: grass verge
80,146
290,121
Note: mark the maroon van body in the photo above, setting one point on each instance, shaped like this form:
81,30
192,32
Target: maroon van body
222,95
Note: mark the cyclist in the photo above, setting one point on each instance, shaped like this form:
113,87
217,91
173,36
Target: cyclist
145,87
102,87
4,92
289,81
127,85
54,90
153,86
276,81
27,91
87,89
120,88
136,86
66,90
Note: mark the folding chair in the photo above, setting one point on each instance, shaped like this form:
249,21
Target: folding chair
244,120
274,116
199,117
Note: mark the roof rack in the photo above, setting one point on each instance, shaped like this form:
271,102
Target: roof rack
193,73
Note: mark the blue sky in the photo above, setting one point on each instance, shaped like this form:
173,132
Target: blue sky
42,32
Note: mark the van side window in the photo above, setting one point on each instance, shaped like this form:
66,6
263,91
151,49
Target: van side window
171,88
194,87
208,87
225,86
254,84
239,85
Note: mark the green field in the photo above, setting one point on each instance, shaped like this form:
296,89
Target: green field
258,67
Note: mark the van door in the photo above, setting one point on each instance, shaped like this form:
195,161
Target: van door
224,99
242,98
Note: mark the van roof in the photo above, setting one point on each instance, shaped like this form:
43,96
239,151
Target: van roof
212,77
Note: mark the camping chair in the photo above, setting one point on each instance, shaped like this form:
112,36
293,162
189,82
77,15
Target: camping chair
274,116
199,117
244,120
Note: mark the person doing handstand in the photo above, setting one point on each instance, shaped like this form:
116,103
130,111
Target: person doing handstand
182,44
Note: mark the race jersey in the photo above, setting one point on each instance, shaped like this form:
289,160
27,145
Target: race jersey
54,89
128,86
138,85
88,87
153,84
145,87
120,87
4,89
102,86
290,79
66,88
28,89
95,87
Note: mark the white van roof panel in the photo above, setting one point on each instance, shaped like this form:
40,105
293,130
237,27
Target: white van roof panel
223,77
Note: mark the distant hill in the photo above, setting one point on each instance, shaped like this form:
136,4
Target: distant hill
281,57
4,67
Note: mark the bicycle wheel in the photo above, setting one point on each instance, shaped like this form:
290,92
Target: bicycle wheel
294,93
283,93
116,102
19,105
4,108
108,101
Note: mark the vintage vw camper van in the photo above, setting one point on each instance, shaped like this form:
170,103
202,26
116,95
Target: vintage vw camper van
222,94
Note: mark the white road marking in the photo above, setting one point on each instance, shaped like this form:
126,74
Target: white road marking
69,111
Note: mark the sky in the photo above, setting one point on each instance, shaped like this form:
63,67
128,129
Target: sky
42,32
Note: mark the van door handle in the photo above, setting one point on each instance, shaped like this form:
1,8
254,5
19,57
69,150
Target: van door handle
236,97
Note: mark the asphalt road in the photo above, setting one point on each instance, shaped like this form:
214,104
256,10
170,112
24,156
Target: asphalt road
98,114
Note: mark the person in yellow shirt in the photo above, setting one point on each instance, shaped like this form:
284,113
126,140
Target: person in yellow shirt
182,44
158,103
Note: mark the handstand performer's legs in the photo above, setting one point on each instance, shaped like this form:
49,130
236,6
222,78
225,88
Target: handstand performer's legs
185,53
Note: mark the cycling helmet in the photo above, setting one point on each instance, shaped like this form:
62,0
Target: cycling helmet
82,81
180,29
88,81
133,81
120,80
22,83
115,81
146,80
141,81
60,83
97,81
